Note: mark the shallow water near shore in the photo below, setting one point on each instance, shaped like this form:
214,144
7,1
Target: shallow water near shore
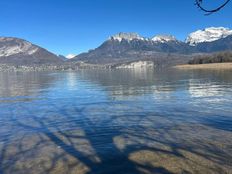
116,122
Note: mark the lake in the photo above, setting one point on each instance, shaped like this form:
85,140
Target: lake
116,122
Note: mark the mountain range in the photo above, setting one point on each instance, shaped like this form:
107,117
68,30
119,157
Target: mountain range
131,46
122,48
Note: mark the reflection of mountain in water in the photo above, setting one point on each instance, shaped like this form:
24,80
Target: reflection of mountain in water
137,82
133,82
120,83
210,83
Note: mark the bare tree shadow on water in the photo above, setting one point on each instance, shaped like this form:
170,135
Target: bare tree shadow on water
99,152
115,161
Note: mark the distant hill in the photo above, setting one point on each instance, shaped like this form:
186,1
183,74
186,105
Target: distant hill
62,57
223,44
17,51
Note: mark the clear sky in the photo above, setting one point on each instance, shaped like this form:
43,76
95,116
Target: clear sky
74,26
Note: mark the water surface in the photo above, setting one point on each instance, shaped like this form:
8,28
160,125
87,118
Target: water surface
116,121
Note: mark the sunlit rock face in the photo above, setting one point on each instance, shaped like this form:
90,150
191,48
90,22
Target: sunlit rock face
126,36
164,38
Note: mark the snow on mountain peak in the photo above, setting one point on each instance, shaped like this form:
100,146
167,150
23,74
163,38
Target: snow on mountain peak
14,46
70,56
164,38
208,35
127,36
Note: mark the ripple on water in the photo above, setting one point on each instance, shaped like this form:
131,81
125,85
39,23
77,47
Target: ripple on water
116,121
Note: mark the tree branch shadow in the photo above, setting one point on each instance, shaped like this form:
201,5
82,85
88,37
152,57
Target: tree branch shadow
112,159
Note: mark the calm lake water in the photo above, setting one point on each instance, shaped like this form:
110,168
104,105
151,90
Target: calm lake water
116,122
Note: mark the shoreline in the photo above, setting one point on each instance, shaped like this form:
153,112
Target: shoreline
216,66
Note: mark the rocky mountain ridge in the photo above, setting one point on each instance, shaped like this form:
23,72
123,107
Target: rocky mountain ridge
17,51
125,47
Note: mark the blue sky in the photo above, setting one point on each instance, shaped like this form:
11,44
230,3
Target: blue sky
74,26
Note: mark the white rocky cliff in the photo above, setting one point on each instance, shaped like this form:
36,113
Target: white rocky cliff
164,38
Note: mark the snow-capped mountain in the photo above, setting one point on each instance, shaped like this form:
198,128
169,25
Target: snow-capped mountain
20,52
164,38
130,46
70,56
127,46
208,35
126,36
134,36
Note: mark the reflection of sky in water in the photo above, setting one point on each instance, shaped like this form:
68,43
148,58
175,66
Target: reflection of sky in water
72,81
207,89
115,105
165,89
176,96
